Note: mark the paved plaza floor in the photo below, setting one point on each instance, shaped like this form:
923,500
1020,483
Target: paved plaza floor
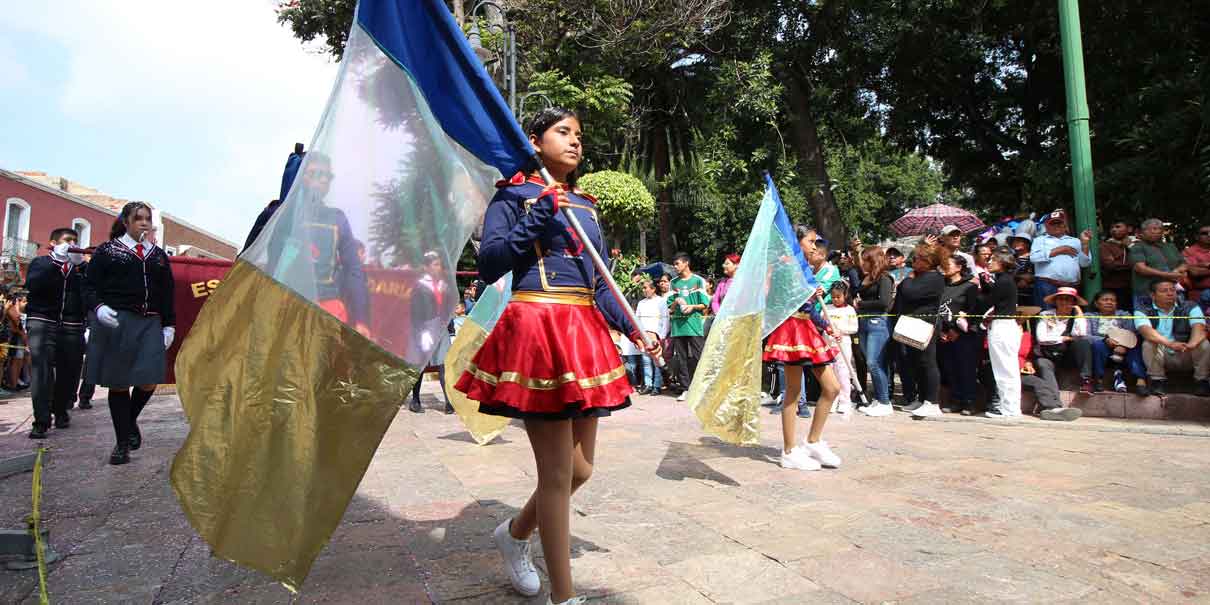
958,511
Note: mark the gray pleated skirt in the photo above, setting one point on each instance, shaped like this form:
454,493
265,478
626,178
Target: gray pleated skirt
131,354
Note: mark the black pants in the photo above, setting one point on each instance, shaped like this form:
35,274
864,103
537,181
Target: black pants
87,389
959,364
922,366
56,355
1078,355
689,350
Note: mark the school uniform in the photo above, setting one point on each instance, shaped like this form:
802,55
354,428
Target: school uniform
550,355
56,336
135,280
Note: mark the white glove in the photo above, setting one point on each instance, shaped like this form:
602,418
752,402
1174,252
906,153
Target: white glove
169,336
86,332
427,341
76,258
108,317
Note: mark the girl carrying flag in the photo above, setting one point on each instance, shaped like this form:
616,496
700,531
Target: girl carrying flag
549,360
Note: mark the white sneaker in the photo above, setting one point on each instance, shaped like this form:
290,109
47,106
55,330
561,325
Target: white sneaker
517,562
682,396
878,409
926,410
571,601
798,459
821,452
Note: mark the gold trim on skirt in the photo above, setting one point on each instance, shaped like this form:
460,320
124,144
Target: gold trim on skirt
548,384
554,298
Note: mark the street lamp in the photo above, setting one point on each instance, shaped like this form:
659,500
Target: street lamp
509,59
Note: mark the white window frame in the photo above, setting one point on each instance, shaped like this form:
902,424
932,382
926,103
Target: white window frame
23,228
85,234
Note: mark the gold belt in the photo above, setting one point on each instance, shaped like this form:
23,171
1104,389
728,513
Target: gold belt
799,315
554,298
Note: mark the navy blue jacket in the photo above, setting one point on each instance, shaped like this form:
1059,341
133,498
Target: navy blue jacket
531,238
54,295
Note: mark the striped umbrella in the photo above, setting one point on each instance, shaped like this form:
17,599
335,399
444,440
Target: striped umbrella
930,219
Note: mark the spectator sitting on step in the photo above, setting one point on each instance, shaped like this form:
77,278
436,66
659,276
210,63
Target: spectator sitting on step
1038,375
1061,335
1114,341
1174,339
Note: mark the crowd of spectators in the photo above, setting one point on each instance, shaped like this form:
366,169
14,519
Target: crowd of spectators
1003,316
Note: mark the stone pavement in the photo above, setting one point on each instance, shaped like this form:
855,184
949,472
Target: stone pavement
922,512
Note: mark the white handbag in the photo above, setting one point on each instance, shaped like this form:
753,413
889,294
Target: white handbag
913,332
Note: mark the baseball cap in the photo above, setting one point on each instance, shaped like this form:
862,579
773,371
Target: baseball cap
1057,215
948,229
892,251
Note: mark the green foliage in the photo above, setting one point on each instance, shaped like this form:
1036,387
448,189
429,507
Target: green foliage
623,200
875,184
602,101
863,107
623,266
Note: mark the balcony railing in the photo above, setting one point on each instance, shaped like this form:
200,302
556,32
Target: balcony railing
21,249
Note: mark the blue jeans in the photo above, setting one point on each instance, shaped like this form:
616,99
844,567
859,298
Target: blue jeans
652,377
1100,359
632,368
1041,291
781,382
874,333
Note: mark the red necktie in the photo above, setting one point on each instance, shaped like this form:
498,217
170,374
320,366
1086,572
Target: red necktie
65,268
138,249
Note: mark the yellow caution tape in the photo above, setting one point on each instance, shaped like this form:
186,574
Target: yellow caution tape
39,547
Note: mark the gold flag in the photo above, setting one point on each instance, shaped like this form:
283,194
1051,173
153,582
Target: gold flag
286,406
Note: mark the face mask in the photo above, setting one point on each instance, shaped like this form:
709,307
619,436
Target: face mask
60,250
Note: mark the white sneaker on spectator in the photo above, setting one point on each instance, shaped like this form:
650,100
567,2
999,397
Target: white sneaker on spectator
993,413
517,562
821,452
928,409
1119,381
682,396
878,410
798,459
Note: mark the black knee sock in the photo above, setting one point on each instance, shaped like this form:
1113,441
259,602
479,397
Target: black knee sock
416,388
138,401
121,412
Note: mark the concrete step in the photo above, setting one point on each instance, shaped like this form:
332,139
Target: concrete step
1176,406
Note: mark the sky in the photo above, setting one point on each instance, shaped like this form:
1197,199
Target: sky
192,110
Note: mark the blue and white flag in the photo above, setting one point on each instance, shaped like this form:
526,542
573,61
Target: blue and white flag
298,363
772,282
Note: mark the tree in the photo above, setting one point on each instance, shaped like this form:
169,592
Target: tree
624,202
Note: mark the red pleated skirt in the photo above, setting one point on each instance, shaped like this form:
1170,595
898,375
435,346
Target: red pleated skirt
798,342
548,360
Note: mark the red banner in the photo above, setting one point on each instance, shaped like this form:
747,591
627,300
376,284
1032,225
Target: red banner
197,278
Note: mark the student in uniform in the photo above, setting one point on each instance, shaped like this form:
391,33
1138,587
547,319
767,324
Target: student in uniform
549,361
56,330
128,292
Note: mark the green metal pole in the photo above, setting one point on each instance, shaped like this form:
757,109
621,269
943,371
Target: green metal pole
1077,132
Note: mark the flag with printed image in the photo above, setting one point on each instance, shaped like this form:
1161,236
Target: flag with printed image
298,363
773,280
